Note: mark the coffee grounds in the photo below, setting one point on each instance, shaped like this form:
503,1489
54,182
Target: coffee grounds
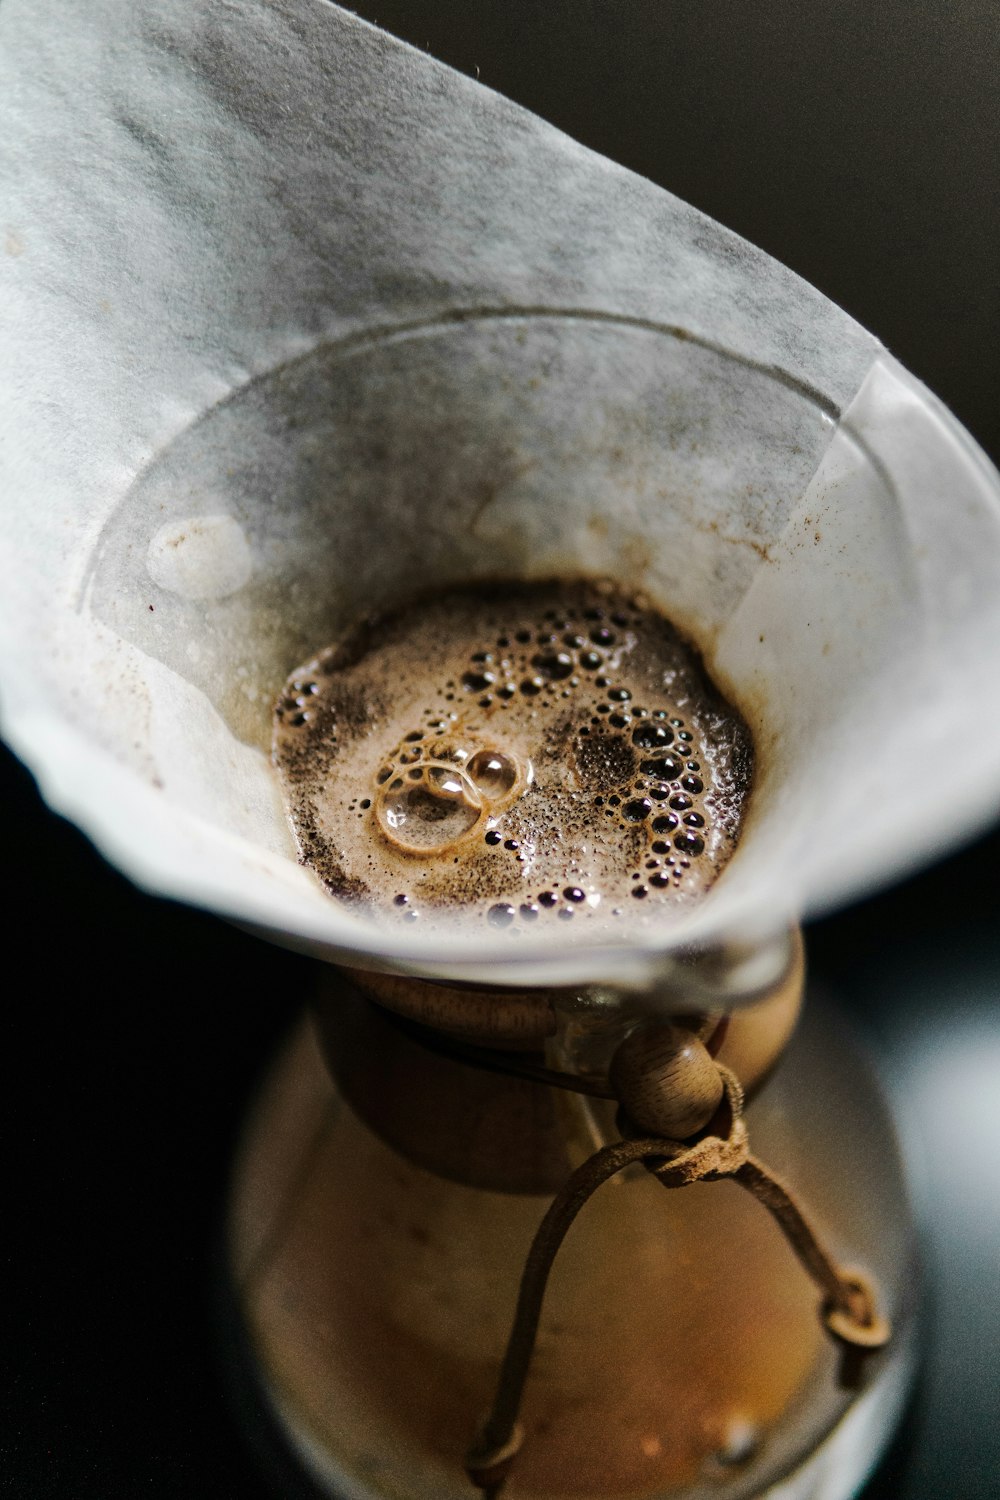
514,754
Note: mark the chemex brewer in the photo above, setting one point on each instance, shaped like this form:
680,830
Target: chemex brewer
351,337
505,756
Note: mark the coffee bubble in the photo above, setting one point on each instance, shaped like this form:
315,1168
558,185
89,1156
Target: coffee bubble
507,756
494,773
432,810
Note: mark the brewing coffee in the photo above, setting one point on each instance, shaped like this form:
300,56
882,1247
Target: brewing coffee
514,755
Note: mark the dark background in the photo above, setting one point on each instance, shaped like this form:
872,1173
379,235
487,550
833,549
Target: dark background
857,142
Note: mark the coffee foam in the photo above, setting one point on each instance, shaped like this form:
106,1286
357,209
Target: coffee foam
514,755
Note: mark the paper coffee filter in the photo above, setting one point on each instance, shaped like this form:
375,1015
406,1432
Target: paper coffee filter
299,322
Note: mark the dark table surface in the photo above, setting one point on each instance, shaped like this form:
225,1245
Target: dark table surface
859,145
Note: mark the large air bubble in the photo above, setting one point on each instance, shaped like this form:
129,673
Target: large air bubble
429,810
495,774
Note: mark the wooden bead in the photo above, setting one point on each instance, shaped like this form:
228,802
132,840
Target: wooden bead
666,1081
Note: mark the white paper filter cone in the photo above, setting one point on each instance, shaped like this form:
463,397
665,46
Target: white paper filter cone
299,321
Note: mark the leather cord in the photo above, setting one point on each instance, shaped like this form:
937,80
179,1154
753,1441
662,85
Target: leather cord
848,1309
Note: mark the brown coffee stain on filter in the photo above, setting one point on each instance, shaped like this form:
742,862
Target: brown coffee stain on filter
676,1330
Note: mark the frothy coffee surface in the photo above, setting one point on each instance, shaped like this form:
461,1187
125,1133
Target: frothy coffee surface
513,756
